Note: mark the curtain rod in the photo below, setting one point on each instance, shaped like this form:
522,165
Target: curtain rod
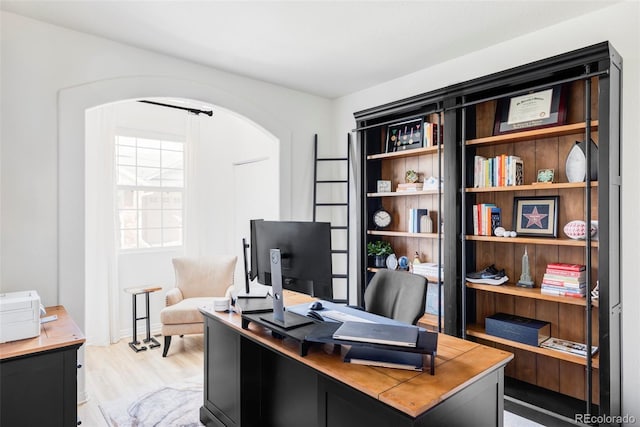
191,110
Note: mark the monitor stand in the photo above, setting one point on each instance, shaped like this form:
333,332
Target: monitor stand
248,292
279,317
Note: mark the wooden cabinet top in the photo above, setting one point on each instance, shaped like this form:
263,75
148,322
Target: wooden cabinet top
60,333
459,363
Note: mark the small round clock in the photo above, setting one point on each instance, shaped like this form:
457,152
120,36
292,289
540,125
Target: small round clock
381,218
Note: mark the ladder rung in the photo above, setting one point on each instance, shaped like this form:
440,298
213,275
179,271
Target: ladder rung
339,227
332,204
332,159
332,181
339,251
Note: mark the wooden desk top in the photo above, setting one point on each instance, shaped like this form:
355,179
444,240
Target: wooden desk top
458,364
62,332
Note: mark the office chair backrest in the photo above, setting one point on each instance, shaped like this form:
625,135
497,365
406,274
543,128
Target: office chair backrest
396,294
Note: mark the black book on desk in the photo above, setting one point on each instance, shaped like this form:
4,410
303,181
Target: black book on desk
377,333
384,358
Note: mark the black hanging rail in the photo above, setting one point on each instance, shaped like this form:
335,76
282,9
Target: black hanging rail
190,110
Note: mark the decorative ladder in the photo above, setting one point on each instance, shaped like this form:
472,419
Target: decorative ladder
336,253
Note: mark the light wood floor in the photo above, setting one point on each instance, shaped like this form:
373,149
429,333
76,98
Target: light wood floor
117,371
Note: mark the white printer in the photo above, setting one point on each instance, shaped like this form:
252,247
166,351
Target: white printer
19,315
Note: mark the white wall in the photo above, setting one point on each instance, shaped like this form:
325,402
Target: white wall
49,76
617,24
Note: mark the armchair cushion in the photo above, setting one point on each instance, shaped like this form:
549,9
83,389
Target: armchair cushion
173,296
200,277
186,311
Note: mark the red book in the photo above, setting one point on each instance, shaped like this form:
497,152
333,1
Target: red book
566,267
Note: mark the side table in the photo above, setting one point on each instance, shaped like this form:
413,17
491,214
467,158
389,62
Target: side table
135,344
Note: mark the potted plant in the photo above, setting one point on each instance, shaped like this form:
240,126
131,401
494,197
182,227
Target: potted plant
379,250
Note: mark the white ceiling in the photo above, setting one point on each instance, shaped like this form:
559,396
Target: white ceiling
328,48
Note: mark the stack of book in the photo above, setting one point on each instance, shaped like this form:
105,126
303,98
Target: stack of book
499,171
429,269
563,279
486,217
405,187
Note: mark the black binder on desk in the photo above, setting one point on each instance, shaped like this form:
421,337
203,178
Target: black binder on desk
427,341
384,358
377,333
254,305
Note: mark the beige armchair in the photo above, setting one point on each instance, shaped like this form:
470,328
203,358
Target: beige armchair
197,281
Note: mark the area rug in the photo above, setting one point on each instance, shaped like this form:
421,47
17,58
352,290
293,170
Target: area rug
176,405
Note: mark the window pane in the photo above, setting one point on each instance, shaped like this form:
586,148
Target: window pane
149,200
127,199
150,238
148,157
151,219
172,200
172,178
126,155
149,177
126,175
172,236
128,239
172,218
148,143
172,159
128,219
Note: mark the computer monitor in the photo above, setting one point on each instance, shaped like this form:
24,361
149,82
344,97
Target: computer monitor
305,249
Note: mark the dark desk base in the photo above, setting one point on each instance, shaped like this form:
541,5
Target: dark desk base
250,384
40,389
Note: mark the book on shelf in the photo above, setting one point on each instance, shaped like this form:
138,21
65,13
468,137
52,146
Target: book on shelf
573,284
568,346
482,218
499,171
495,219
566,273
429,269
545,290
359,355
431,134
566,267
409,186
377,333
414,219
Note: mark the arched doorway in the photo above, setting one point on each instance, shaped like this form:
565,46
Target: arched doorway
72,103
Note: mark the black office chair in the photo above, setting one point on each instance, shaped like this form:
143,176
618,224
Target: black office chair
396,294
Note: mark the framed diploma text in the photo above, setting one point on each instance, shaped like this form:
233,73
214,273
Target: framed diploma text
533,110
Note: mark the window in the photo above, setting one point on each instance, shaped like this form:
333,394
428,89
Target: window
150,190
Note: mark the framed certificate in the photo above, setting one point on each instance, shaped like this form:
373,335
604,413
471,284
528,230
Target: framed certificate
531,111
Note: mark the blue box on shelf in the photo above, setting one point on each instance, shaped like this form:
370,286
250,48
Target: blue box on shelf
518,328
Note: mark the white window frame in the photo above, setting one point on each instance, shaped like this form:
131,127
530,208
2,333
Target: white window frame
156,136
